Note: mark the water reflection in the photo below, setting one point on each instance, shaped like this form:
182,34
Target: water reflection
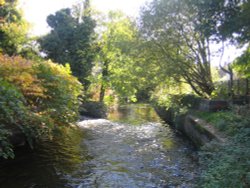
48,165
134,114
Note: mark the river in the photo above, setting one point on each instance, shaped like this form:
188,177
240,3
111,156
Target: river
133,148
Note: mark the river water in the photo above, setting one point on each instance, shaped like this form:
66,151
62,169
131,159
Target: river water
133,148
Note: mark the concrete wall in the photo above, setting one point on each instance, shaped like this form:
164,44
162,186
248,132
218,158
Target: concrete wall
199,131
166,115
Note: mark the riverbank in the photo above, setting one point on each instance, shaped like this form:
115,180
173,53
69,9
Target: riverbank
223,139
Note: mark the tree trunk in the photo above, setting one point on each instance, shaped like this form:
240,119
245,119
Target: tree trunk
231,85
102,93
104,81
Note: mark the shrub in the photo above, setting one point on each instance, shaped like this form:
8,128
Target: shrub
11,112
16,116
173,108
34,97
61,91
179,102
21,74
225,121
228,165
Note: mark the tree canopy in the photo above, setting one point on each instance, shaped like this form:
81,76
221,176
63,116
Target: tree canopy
71,40
13,28
242,64
225,19
172,32
116,46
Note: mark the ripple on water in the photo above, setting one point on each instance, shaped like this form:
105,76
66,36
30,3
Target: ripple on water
134,150
146,155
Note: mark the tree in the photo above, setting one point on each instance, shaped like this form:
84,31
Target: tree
171,31
118,57
71,40
225,19
242,64
13,28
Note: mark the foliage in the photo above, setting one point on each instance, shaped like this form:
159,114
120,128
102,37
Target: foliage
176,43
13,29
182,103
6,149
117,63
2,2
11,112
47,87
221,91
71,40
227,165
61,91
242,64
225,19
20,72
122,62
16,116
34,98
174,100
225,121
239,88
169,93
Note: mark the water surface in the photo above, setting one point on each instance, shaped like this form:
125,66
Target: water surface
132,149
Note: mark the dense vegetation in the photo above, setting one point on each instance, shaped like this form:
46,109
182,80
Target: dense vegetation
227,164
35,97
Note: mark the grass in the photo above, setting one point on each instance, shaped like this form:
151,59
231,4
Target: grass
225,121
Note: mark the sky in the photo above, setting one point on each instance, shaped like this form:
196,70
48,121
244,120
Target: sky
36,11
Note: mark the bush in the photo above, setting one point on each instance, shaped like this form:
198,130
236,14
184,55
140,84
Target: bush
11,113
227,165
179,102
21,74
15,116
61,90
34,97
225,121
175,106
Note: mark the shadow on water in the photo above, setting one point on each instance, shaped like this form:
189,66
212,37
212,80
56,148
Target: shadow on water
50,164
131,149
